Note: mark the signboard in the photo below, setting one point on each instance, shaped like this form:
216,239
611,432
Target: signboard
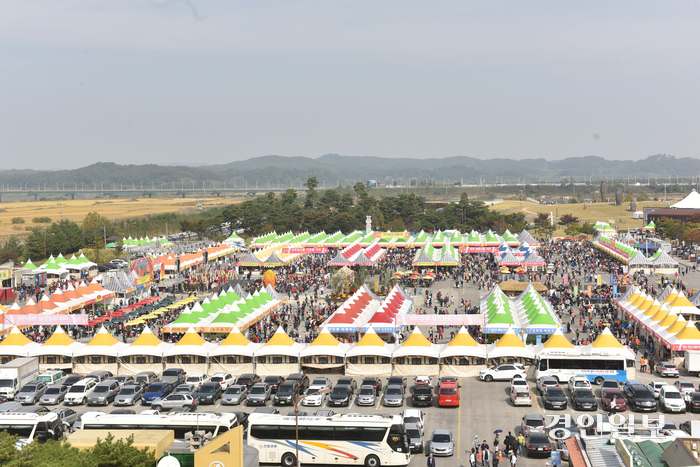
599,280
5,274
538,339
478,249
612,279
391,235
290,250
141,280
556,458
46,320
438,320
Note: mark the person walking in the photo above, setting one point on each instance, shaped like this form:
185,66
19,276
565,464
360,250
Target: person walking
476,443
513,459
472,458
521,441
431,460
486,457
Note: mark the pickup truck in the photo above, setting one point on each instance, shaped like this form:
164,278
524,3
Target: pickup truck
422,395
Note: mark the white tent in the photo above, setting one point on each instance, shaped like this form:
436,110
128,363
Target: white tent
692,201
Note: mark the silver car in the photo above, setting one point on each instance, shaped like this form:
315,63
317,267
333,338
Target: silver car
66,415
129,395
174,401
234,395
187,389
31,393
415,437
54,395
393,396
259,394
366,396
125,380
442,443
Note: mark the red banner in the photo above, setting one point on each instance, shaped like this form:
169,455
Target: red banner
46,320
478,249
304,250
439,320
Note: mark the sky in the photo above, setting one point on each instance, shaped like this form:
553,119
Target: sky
209,82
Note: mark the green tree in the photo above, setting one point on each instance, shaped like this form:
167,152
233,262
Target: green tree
567,219
311,193
314,221
360,191
109,452
346,203
669,228
93,225
343,221
34,245
8,449
11,250
643,196
572,230
587,228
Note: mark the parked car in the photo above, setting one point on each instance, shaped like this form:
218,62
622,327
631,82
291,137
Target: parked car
125,380
266,410
545,382
324,413
520,397
315,400
173,401
79,392
129,395
154,391
393,396
532,421
209,393
248,380
224,379
52,377
609,384
397,381
259,394
537,444
422,381
242,418
274,382
579,382
322,382
695,402
340,395
671,400
146,378
656,386
37,409
186,389
366,396
641,399
234,395
348,381
422,395
104,393
685,386
174,376
559,441
667,369
448,394
66,415
71,380
520,384
614,394
54,395
414,416
583,399
197,379
442,443
375,382
415,437
503,372
31,393
554,398
302,379
287,392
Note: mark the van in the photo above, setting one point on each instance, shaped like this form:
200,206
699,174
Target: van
52,377
99,376
174,376
104,393
10,407
145,378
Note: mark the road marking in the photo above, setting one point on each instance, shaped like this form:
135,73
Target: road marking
537,402
459,421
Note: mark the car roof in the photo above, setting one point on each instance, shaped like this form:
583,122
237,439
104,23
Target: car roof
412,426
442,432
412,412
532,416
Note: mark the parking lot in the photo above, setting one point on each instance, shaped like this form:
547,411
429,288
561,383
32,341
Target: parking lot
484,408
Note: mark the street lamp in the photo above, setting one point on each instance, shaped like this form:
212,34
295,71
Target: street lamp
298,399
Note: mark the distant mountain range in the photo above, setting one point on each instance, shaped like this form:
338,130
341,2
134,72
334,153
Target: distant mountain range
332,168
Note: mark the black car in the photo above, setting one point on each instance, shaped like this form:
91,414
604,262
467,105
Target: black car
71,380
209,393
695,402
274,382
583,399
422,395
554,398
537,444
398,381
242,418
302,379
641,399
248,380
287,393
341,395
375,382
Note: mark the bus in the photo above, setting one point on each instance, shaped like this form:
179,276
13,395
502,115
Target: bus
28,426
594,366
353,439
210,423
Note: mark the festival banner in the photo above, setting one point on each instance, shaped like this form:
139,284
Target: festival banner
599,280
141,280
391,235
612,279
614,291
46,320
290,250
478,249
439,320
566,279
575,290
590,291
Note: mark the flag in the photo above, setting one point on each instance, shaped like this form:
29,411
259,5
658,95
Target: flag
566,279
575,290
599,280
590,292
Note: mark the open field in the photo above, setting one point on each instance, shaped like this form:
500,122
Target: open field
116,209
593,212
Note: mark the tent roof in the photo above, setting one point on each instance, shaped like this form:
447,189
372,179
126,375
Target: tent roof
692,201
606,340
510,339
280,338
16,338
326,338
103,338
689,332
236,337
191,337
370,339
416,339
558,341
60,338
463,339
147,339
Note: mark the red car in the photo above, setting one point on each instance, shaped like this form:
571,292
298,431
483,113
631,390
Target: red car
609,395
448,394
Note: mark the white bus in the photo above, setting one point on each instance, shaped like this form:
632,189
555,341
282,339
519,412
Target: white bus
31,425
181,423
595,367
354,439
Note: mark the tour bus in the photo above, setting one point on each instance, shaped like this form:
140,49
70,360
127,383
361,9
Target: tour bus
31,425
354,439
211,423
595,367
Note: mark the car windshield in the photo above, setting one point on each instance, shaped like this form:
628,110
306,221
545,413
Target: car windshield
257,390
581,384
520,382
366,391
45,379
611,396
101,389
413,433
687,385
127,391
194,379
411,420
347,381
441,438
583,394
448,391
538,438
340,391
154,388
534,422
556,392
54,390
76,388
312,390
28,388
6,382
319,382
233,391
207,389
643,394
522,394
672,395
393,391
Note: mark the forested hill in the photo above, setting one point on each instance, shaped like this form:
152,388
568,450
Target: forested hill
332,168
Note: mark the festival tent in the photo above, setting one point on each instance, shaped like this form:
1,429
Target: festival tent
526,237
639,261
510,240
508,259
234,354
146,344
29,264
431,256
463,345
649,226
17,344
696,299
190,353
57,351
325,352
354,313
557,343
96,354
370,356
416,356
687,339
668,295
677,326
628,238
682,305
692,201
282,355
664,259
509,346
606,340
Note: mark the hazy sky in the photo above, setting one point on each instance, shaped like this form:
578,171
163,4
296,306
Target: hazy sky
215,81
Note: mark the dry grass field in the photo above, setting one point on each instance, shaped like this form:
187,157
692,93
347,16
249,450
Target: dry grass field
116,209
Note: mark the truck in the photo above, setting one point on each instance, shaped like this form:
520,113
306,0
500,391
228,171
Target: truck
15,374
691,362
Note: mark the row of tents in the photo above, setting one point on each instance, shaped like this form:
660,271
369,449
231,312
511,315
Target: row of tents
528,312
633,257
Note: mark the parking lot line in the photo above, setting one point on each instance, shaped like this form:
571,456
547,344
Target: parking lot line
537,402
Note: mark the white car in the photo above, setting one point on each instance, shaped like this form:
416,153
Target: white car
685,386
520,397
656,386
225,379
423,380
667,369
414,416
503,372
579,382
520,384
79,392
317,399
671,400
197,379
